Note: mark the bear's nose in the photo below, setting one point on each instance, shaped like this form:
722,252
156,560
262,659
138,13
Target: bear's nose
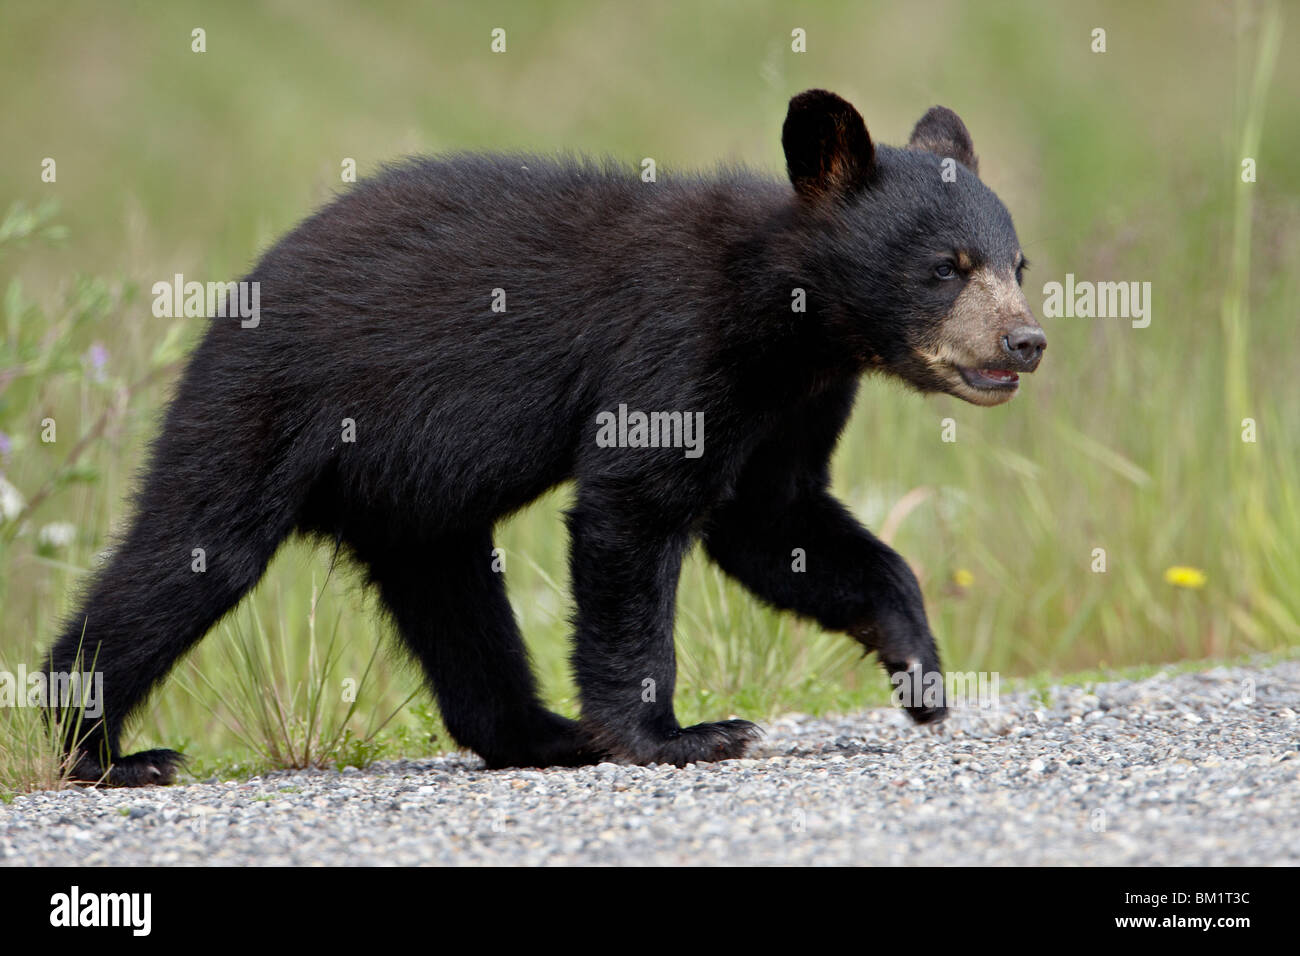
1026,345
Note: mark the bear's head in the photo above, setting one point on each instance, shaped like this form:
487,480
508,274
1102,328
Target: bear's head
913,263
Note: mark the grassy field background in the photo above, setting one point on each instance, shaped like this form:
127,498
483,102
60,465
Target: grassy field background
1122,165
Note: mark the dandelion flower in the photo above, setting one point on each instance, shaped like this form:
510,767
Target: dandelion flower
963,578
1185,577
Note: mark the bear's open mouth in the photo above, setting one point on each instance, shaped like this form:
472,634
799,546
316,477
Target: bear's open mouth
990,378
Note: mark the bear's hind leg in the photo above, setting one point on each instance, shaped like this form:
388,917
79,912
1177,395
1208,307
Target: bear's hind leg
187,560
452,613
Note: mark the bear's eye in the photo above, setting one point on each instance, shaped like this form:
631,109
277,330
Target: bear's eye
945,270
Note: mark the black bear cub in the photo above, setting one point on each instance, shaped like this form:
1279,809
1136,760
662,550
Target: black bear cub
447,341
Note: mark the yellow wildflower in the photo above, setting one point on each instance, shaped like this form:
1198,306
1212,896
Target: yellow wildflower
1184,577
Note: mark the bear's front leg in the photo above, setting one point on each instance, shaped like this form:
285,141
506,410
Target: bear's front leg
895,627
797,548
625,562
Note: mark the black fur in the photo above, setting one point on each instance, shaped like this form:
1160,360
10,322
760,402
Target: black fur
672,296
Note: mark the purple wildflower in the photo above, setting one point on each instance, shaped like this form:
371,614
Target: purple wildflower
97,359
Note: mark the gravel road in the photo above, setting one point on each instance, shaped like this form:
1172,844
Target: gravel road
1186,769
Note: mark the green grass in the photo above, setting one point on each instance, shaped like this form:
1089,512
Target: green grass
1118,166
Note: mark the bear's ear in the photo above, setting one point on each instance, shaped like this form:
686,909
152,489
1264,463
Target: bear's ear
942,132
827,149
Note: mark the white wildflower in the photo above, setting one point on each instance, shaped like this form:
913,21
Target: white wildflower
57,534
11,501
